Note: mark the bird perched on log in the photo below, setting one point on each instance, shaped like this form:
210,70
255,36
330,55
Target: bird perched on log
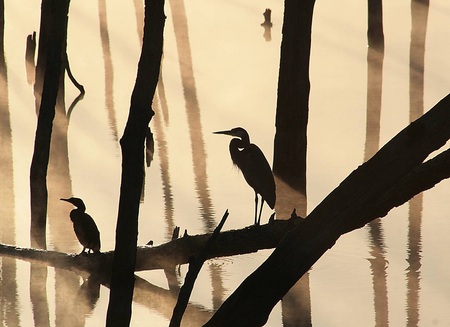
254,166
84,226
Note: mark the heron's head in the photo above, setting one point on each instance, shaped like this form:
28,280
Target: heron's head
237,131
77,202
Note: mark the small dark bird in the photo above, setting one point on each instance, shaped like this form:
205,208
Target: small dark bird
84,226
254,166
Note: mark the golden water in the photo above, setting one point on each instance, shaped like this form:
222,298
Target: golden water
217,52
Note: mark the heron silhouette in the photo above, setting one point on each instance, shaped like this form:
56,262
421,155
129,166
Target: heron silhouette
84,226
254,166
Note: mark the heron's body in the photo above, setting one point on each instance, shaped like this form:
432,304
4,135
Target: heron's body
254,166
84,226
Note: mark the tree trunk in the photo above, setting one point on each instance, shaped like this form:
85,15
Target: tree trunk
56,15
132,144
293,94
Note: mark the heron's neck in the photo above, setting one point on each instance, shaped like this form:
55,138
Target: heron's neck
236,146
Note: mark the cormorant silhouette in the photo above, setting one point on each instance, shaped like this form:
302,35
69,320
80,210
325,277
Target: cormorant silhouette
84,226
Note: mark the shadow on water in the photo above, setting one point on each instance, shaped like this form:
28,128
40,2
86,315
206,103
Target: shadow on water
9,306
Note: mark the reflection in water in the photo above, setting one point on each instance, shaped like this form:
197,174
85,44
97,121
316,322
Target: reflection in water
163,301
419,18
87,296
160,139
38,295
267,24
414,258
375,56
29,57
8,285
139,13
108,65
181,31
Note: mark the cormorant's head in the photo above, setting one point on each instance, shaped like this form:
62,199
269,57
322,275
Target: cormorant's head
77,202
237,131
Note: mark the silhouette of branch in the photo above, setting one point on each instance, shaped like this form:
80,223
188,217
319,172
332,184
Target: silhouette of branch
71,77
167,255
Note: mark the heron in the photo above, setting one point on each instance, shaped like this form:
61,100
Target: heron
249,158
84,226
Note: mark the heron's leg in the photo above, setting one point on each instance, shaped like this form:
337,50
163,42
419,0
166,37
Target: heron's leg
256,207
260,210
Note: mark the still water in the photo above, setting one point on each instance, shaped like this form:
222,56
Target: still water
220,71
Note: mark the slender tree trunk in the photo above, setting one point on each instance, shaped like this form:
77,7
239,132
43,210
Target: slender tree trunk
56,12
290,145
132,144
293,94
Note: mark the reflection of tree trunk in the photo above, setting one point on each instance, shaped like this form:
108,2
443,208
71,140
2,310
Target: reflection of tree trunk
132,144
38,295
29,58
289,164
180,26
378,265
375,56
109,72
139,13
8,283
414,258
161,142
419,17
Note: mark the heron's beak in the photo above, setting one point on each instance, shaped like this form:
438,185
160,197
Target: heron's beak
224,132
67,200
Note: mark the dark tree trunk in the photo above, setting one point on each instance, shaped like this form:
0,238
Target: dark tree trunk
56,17
375,34
360,198
293,94
132,144
289,164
